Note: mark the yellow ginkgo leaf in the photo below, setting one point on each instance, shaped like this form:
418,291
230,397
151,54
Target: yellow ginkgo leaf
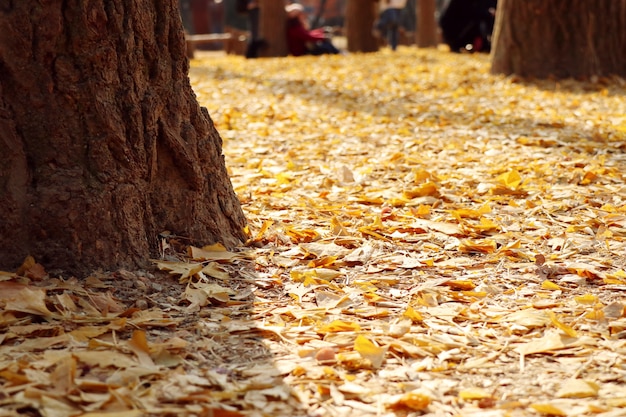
577,388
215,252
473,394
548,409
587,299
486,225
415,316
549,285
370,351
184,269
414,400
482,246
339,326
216,247
427,189
213,269
564,327
511,179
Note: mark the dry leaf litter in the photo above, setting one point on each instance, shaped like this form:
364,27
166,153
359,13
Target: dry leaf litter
425,239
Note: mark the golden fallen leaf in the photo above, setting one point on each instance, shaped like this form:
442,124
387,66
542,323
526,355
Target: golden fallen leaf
586,299
564,327
548,409
549,285
511,179
213,269
415,316
553,341
185,269
427,189
478,245
339,326
138,344
414,400
370,351
473,394
26,300
578,388
215,252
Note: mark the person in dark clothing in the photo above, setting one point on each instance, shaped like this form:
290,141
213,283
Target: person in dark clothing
301,40
388,23
186,15
255,42
468,24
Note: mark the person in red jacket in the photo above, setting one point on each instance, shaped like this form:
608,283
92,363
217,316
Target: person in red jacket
301,40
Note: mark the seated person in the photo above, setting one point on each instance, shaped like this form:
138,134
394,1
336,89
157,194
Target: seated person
301,40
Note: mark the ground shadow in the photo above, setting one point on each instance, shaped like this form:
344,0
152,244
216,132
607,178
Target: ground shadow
140,342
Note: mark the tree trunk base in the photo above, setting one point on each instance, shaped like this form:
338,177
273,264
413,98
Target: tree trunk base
560,38
106,146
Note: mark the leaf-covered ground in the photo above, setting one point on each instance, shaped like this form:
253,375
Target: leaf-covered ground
425,239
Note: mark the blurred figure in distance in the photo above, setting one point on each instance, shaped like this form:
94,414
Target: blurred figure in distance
301,40
252,10
466,25
388,23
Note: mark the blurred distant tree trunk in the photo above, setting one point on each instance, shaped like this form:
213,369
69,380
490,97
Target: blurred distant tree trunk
200,15
360,18
273,28
426,24
560,38
103,145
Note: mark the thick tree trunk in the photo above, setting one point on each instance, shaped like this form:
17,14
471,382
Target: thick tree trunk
360,17
103,143
273,28
426,33
560,38
200,16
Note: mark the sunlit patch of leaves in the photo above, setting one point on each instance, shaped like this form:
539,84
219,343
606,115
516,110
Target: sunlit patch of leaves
467,227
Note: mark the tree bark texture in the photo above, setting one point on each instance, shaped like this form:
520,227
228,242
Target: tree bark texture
273,28
360,18
103,145
426,24
560,38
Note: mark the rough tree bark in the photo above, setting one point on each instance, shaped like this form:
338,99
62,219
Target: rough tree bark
426,33
560,38
272,27
103,145
360,17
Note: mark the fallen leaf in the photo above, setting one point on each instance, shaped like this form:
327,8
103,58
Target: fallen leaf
578,388
370,351
548,409
414,400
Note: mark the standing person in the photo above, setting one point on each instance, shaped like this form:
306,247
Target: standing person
216,16
301,40
186,15
251,8
389,20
